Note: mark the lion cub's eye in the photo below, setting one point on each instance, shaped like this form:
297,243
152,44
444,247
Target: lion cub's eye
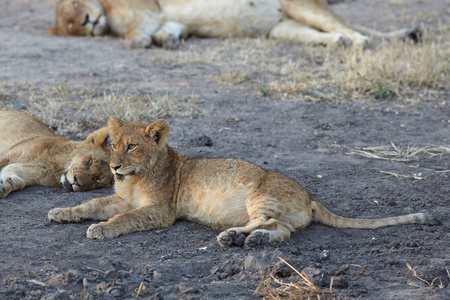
131,146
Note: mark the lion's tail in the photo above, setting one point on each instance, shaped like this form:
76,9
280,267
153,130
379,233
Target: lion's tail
323,215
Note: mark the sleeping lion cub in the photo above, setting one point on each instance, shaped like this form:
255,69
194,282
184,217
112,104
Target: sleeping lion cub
165,22
32,154
156,185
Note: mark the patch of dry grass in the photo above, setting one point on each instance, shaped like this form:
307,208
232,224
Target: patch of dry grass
275,289
430,284
398,69
130,107
229,77
72,111
394,153
407,154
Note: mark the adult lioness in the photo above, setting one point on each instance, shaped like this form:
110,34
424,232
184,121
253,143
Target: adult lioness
156,185
166,21
31,154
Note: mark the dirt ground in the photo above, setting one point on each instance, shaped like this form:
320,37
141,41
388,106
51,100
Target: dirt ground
306,140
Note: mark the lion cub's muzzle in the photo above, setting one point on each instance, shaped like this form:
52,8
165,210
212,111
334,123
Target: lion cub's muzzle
69,186
122,173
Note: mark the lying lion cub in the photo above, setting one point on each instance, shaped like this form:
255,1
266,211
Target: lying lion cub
166,21
156,185
31,154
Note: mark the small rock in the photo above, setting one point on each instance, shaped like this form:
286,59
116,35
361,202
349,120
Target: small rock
59,295
202,141
214,270
112,274
295,251
156,274
339,282
251,263
324,255
311,271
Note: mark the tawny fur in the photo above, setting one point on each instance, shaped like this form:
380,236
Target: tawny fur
156,185
165,22
31,154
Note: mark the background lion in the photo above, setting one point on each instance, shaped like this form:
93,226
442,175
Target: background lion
31,154
165,22
156,185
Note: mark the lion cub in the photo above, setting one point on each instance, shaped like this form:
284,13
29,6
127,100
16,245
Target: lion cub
156,185
32,154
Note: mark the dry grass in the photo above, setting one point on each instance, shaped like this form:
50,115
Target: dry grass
401,70
71,111
430,284
303,289
398,69
394,153
130,107
407,154
229,77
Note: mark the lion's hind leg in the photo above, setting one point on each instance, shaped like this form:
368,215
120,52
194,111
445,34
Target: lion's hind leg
318,15
13,177
257,232
292,30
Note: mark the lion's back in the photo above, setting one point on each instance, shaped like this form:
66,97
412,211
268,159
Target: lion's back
18,126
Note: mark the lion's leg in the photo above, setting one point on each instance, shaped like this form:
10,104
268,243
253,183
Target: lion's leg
292,30
16,176
96,209
317,14
255,233
168,36
142,218
264,210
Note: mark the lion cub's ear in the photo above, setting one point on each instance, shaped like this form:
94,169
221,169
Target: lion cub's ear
158,131
52,30
99,138
114,125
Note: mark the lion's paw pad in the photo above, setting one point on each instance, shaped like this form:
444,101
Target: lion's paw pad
231,237
257,238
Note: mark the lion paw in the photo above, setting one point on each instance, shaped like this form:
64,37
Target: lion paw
171,42
139,43
60,215
257,237
3,190
231,237
101,231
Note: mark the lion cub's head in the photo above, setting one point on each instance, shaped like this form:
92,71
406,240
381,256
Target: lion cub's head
136,146
89,167
79,17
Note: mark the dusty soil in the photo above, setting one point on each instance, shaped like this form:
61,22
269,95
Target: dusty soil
301,139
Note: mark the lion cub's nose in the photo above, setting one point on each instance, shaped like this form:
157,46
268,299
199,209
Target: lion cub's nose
115,168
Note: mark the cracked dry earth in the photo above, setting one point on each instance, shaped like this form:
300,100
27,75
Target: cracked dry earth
305,140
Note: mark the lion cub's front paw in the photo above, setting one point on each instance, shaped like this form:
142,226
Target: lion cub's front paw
101,231
60,215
